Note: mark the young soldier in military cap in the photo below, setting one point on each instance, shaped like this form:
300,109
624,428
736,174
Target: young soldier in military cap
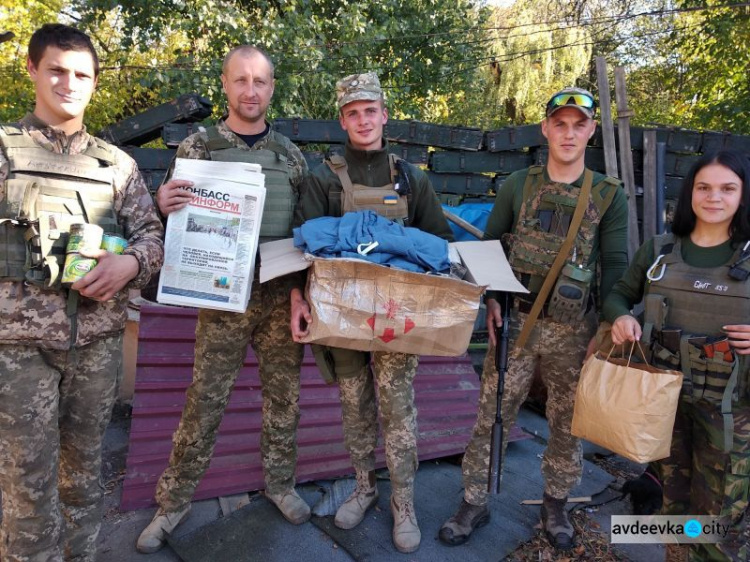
367,172
61,348
532,215
244,135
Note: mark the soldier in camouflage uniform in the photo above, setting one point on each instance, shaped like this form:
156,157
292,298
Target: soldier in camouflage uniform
222,337
60,349
366,166
698,276
532,213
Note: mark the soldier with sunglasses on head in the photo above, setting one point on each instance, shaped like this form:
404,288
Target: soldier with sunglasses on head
532,215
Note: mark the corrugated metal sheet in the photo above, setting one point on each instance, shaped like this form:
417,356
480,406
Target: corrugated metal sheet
446,394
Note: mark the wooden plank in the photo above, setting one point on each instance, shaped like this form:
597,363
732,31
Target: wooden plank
716,141
461,184
311,130
626,158
649,185
608,131
442,136
514,138
510,161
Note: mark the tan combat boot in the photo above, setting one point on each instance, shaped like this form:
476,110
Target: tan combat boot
556,524
458,528
154,536
406,533
364,496
291,505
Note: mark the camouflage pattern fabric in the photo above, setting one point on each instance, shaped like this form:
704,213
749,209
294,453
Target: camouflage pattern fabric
194,147
699,478
221,346
38,318
54,409
532,249
393,375
560,350
358,87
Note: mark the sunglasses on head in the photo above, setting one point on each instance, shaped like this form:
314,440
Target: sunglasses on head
581,100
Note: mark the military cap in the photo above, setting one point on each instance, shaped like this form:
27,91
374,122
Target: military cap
356,87
581,99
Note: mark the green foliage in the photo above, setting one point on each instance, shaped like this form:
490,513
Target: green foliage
420,48
22,18
713,74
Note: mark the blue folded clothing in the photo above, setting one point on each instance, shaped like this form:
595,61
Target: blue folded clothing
366,235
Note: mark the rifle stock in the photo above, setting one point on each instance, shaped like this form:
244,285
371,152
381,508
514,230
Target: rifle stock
502,336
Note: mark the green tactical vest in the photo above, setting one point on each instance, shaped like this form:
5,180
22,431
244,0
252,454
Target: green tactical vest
698,301
383,200
45,193
533,248
281,195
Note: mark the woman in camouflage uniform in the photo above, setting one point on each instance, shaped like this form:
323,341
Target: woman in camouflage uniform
696,286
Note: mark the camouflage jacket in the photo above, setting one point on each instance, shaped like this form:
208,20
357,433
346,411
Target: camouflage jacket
194,147
34,317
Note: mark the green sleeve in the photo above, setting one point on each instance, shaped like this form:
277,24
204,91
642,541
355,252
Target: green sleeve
613,242
425,210
628,291
313,197
506,207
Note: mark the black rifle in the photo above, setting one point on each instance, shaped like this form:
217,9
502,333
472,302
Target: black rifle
502,335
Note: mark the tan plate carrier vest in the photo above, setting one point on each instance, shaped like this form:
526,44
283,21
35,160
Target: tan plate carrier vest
281,195
533,250
698,301
44,194
383,200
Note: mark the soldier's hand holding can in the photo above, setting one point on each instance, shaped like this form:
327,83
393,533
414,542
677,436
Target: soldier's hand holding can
112,272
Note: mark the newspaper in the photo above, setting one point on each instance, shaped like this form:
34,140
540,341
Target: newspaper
211,244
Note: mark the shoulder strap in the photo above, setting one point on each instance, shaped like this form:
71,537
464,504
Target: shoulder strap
213,139
603,203
575,224
102,151
278,148
532,178
338,166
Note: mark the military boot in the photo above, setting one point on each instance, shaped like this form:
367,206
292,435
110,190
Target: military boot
556,524
154,536
364,496
458,528
291,505
406,533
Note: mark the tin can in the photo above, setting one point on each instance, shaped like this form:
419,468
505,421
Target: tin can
113,243
82,236
76,267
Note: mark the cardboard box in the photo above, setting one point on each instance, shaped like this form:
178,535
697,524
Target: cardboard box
357,304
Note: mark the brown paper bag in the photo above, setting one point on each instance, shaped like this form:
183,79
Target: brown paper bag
628,408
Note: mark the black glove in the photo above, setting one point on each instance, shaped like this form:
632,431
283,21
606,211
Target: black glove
645,493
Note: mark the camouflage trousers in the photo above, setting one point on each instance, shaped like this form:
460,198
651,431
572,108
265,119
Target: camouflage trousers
54,409
559,349
220,350
699,478
393,375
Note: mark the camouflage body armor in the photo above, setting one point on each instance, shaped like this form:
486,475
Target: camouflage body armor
383,200
685,309
278,209
542,226
43,195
